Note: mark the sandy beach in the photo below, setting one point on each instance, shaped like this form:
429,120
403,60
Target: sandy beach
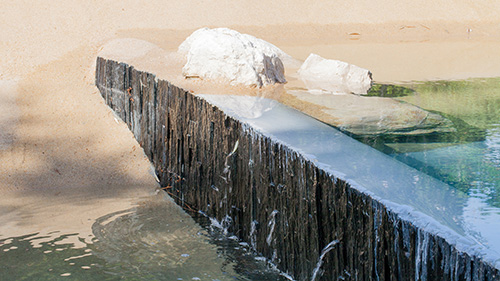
65,160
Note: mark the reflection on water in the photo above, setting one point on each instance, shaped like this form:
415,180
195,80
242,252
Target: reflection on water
473,167
465,166
148,242
48,260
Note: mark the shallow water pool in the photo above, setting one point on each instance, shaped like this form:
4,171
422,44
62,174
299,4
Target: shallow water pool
153,240
468,161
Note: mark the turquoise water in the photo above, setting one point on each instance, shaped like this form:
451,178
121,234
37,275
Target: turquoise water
473,167
147,242
468,161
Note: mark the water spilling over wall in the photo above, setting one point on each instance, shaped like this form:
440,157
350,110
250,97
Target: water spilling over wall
310,224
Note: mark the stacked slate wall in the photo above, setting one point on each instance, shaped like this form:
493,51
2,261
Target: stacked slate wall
268,195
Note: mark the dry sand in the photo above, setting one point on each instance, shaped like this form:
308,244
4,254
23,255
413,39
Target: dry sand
65,161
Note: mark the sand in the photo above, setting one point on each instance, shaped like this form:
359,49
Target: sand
65,159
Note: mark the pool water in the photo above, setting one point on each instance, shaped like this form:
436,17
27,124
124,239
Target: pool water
468,161
151,241
471,160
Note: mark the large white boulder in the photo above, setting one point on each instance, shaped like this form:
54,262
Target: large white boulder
333,76
225,54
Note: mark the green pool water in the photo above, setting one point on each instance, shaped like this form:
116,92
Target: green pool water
468,160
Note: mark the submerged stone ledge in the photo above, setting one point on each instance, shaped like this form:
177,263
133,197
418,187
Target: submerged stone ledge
271,196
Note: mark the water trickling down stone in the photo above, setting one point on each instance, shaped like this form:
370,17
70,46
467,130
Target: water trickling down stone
188,140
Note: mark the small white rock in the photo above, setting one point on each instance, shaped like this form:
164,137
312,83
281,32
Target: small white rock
334,77
225,54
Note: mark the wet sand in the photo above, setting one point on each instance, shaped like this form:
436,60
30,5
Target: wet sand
64,158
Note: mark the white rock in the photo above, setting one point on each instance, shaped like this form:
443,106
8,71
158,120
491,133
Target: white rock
225,54
333,76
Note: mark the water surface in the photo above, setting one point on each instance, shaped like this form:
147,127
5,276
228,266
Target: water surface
472,167
153,240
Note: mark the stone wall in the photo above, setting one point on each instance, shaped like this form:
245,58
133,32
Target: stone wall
268,195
